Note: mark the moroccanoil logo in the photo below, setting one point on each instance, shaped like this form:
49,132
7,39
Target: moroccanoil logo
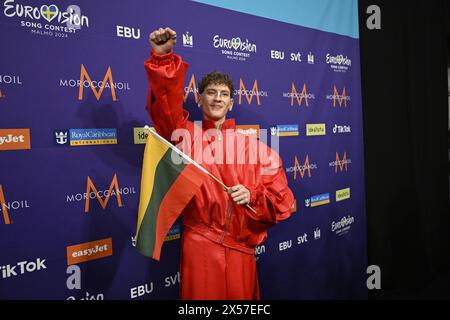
304,169
107,79
340,98
91,187
89,251
339,163
191,88
97,87
3,206
342,194
249,95
316,129
7,206
302,97
102,196
15,139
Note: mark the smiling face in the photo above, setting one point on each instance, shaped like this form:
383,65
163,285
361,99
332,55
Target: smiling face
215,102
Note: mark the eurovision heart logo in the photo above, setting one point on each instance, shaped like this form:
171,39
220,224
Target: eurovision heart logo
49,12
236,42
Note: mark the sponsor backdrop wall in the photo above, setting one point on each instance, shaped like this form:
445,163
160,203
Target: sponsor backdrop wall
72,98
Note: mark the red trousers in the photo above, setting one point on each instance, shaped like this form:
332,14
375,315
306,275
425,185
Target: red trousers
212,271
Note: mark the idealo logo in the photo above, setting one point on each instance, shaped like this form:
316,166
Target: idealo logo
5,206
302,97
342,194
249,95
302,169
341,164
316,129
340,98
97,87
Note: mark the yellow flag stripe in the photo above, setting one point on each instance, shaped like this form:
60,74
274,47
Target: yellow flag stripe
153,153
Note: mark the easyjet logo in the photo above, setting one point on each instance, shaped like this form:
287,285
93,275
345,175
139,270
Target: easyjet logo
249,130
107,79
14,139
91,189
191,88
89,251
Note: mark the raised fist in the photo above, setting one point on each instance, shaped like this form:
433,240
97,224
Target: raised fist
162,40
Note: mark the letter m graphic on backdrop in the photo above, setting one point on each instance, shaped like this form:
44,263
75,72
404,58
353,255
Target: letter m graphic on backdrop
107,79
341,163
191,86
340,98
303,94
3,206
90,186
243,90
298,168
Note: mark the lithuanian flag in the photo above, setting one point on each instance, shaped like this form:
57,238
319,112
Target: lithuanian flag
166,188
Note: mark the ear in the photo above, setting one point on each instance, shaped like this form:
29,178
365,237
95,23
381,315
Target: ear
199,102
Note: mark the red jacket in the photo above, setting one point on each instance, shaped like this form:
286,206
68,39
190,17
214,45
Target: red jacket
212,213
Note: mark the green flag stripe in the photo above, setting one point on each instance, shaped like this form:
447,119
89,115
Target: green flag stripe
165,175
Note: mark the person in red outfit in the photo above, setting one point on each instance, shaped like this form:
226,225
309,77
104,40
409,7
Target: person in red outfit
220,233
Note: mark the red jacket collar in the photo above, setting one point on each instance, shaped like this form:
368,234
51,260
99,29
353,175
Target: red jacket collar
227,124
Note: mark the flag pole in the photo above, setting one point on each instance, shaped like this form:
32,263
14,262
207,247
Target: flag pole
190,160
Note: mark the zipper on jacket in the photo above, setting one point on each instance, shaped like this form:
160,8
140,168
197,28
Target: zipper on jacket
227,222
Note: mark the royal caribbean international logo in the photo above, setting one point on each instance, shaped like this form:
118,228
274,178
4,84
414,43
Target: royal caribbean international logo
234,48
47,20
284,130
317,200
85,137
338,63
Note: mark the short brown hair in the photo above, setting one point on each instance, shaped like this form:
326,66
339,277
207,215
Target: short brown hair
216,77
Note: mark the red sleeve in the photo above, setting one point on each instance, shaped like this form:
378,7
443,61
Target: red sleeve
270,194
165,74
